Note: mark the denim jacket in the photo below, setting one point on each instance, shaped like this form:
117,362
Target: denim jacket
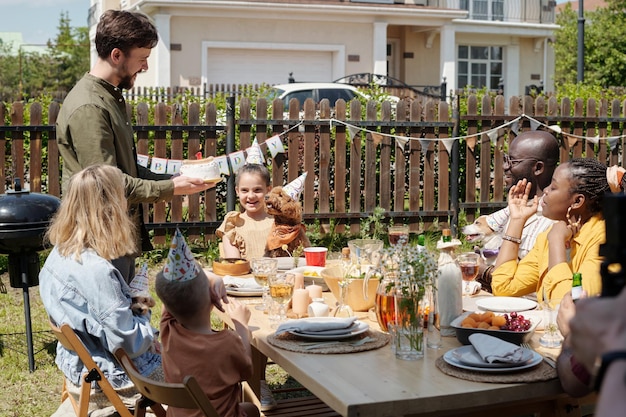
93,298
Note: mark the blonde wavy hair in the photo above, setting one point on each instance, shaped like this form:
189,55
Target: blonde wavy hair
94,215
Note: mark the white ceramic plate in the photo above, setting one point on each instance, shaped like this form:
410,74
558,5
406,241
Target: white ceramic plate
361,328
287,262
506,304
243,292
467,355
308,279
451,359
213,180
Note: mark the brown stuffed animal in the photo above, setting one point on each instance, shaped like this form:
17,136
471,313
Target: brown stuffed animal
288,228
141,305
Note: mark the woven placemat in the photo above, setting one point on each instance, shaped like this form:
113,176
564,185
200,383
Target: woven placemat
293,343
541,372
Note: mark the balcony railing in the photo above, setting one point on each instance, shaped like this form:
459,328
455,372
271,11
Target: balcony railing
526,11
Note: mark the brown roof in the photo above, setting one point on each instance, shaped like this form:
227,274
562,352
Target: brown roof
589,5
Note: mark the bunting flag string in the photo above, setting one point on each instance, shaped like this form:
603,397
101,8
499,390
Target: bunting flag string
231,162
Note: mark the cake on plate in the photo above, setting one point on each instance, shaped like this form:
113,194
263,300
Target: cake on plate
206,168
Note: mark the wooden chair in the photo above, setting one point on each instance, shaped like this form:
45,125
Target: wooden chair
68,338
187,394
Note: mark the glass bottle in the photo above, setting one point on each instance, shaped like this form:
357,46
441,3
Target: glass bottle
446,235
577,285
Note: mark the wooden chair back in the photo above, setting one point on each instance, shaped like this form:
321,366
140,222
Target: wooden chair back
68,338
187,394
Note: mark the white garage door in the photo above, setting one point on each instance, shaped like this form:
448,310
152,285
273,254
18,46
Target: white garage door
243,66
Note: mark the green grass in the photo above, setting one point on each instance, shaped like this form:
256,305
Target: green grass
38,394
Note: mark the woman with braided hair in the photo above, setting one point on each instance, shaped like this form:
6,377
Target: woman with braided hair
574,200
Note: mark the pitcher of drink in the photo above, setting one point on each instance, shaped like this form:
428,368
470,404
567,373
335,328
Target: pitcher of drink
384,305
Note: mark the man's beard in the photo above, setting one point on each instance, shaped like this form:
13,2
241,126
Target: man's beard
127,82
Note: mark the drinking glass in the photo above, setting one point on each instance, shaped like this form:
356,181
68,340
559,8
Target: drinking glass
551,337
263,269
281,290
398,233
468,262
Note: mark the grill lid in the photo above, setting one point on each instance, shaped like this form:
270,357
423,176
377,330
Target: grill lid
24,217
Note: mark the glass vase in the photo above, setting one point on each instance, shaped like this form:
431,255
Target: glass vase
408,328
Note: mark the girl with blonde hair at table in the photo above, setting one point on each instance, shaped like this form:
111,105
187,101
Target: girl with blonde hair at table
574,201
81,287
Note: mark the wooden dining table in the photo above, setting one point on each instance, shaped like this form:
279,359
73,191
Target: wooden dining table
375,383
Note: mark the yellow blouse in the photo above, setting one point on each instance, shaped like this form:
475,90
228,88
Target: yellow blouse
531,273
246,234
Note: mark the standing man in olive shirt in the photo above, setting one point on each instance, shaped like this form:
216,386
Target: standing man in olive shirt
94,128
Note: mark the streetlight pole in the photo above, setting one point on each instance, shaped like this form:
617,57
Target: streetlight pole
581,42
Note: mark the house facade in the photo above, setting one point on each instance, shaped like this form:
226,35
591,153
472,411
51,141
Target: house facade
482,43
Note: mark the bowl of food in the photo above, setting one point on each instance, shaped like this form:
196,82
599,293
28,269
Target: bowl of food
511,327
231,266
355,297
312,275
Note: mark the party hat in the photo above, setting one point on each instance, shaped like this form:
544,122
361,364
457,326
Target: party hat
295,187
180,265
139,284
255,155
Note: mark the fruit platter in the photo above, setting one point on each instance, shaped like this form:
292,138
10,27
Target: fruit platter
512,327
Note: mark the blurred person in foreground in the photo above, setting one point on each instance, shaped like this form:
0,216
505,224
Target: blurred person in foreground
93,126
533,155
597,341
219,359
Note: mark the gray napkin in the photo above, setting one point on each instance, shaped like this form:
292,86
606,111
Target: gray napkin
492,349
316,325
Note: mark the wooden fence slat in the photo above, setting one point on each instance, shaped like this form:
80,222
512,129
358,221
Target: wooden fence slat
339,189
399,183
443,194
384,190
193,147
176,152
355,167
323,183
416,191
17,143
279,161
54,168
3,140
36,162
371,189
470,158
160,151
311,146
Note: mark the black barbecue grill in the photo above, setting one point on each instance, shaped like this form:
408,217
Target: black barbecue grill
24,218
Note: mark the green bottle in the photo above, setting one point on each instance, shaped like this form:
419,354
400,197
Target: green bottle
577,285
446,235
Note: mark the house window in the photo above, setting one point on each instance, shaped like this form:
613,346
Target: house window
479,66
484,9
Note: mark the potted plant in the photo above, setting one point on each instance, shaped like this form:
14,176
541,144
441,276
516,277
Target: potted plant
408,271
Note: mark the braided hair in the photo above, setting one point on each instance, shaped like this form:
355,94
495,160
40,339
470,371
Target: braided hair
588,177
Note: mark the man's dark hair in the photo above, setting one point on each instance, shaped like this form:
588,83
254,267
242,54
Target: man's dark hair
124,30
